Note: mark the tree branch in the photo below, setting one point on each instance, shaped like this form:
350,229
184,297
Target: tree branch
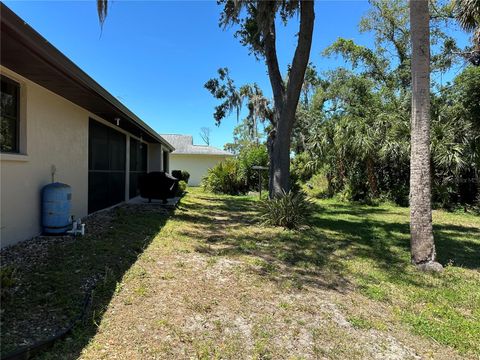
302,54
268,30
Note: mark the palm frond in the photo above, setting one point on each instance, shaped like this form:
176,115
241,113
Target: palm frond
102,11
467,13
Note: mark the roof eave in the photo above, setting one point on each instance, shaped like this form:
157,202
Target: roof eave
51,56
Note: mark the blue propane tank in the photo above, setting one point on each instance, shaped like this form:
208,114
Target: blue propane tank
56,203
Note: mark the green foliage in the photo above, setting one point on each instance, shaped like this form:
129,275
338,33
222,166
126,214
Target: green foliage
181,175
223,88
182,187
253,155
255,23
185,176
476,204
468,94
253,18
356,132
224,178
301,168
289,211
244,135
318,186
236,176
467,13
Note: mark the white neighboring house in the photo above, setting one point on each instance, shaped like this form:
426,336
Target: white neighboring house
196,159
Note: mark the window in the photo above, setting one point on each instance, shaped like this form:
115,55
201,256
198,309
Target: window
10,114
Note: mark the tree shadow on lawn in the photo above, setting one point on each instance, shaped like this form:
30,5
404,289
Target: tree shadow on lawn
317,255
52,293
388,242
456,244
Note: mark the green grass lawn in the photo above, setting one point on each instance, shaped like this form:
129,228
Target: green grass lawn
373,248
210,282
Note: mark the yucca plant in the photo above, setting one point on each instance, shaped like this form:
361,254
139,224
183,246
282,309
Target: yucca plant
290,211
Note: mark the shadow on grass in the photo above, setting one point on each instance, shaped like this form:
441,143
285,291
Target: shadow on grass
51,293
316,255
456,244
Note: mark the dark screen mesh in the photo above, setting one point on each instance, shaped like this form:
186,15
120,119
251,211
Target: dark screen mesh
106,165
138,164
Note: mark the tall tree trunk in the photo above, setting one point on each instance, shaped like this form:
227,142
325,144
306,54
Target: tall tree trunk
372,179
422,244
281,154
286,97
340,172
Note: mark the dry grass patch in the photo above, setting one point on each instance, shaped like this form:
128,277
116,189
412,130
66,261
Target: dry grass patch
214,284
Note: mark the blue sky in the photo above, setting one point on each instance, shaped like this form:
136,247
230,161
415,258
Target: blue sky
155,56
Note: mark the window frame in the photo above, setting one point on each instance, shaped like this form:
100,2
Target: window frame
17,85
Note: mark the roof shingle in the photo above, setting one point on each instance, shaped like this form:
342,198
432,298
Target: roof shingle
183,144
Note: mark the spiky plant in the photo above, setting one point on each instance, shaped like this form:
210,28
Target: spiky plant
290,211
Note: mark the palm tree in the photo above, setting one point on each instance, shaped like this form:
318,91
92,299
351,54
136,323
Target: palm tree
467,13
421,241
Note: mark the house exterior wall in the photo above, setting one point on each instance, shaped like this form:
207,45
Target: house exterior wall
196,165
54,131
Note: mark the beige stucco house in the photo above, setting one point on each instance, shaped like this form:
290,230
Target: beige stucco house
53,113
196,159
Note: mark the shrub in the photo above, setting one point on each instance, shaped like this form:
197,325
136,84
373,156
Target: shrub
236,175
318,187
181,175
182,186
250,156
225,178
288,211
185,176
301,168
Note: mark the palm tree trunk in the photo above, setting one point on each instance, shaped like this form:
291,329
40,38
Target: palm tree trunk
422,243
372,179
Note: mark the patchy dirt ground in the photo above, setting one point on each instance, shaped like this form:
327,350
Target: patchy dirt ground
50,277
211,283
195,294
185,306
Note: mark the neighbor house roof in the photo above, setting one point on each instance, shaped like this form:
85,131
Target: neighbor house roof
184,145
26,52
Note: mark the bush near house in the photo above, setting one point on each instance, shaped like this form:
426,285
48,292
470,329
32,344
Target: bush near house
250,156
237,176
181,175
182,187
224,178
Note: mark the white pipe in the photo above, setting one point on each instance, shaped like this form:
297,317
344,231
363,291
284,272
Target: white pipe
77,229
